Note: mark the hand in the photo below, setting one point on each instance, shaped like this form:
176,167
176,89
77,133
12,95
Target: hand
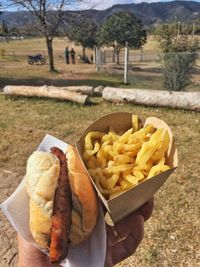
30,256
125,237
130,231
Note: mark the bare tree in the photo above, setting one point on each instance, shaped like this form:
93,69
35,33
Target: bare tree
49,14
0,7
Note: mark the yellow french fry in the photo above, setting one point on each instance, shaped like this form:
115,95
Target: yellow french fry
132,179
148,129
138,174
119,168
101,157
89,137
121,158
135,123
112,181
125,137
125,185
157,169
148,148
89,153
159,154
92,163
120,161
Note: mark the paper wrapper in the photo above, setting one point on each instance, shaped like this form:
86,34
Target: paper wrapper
90,253
122,205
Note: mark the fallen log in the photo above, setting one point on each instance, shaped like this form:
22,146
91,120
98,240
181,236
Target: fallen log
83,89
185,100
45,91
98,91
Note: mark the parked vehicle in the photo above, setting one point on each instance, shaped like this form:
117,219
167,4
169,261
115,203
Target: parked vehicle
39,58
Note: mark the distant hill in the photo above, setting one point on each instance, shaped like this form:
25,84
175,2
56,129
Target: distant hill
148,13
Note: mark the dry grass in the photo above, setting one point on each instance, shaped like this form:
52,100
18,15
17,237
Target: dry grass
172,233
14,68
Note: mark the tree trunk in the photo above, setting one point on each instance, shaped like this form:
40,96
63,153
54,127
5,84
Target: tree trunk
185,100
114,54
49,42
45,91
84,52
117,53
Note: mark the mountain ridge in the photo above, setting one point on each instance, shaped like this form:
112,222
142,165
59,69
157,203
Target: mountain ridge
148,13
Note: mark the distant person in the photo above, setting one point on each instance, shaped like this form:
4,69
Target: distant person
91,58
67,55
87,60
72,53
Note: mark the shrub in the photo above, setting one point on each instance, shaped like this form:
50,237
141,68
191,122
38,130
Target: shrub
179,55
177,69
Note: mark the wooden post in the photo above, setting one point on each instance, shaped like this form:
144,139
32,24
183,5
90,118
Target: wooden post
126,64
94,55
141,54
97,58
179,24
193,29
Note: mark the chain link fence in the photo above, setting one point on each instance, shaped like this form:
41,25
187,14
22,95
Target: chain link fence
110,57
175,69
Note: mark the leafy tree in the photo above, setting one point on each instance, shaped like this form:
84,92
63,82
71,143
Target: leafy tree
49,14
83,32
166,33
121,28
179,56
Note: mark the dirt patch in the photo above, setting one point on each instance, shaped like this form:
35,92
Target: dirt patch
8,242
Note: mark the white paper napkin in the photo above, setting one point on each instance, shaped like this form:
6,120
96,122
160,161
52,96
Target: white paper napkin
90,253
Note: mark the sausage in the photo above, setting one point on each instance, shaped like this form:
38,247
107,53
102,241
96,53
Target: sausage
62,212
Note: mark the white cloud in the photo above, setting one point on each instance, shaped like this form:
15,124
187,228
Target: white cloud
99,4
103,4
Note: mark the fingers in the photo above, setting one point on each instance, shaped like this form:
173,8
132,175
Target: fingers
31,256
122,228
131,239
124,238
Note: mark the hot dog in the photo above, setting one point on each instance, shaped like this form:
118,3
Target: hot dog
63,203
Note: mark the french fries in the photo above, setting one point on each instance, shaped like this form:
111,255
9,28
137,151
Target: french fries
118,162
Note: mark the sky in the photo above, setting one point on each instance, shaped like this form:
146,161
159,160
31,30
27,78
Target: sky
102,4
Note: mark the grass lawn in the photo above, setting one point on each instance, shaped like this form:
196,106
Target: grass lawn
172,233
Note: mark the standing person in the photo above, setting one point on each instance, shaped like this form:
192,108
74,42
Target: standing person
92,58
67,55
72,53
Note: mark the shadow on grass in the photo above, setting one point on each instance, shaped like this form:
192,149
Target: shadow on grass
4,81
91,101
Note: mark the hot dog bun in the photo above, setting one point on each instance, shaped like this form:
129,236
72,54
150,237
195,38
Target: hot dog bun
42,179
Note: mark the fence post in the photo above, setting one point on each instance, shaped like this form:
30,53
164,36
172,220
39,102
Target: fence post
97,58
126,64
94,55
141,54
